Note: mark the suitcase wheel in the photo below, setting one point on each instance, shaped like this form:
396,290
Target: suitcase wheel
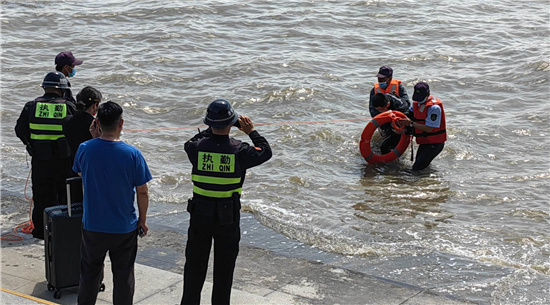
50,287
102,287
57,294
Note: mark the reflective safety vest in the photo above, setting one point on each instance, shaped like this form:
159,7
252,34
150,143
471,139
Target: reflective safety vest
46,119
217,174
392,86
438,135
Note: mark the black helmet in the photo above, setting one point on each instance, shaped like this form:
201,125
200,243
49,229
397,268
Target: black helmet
220,114
55,80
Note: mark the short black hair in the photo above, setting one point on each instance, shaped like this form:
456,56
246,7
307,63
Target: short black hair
379,100
109,115
87,97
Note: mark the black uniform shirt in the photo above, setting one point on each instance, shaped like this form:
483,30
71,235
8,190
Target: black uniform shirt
249,156
22,129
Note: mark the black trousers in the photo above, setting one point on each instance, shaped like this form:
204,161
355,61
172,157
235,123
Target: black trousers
122,250
390,142
48,188
425,154
197,252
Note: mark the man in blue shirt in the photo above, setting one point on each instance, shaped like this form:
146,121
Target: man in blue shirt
112,173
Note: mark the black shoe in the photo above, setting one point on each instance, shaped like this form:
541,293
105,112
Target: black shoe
37,234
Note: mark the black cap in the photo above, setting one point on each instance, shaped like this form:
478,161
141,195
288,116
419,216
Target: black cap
421,91
67,58
385,71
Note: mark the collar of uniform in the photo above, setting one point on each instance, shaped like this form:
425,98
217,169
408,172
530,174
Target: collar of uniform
219,138
425,100
50,95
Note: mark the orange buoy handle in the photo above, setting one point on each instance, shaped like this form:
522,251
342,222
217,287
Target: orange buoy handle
376,122
395,120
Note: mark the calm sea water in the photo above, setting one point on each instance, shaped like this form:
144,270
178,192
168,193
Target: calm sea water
480,213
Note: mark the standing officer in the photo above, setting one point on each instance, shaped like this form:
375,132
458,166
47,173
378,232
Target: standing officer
219,168
65,63
429,125
392,88
40,128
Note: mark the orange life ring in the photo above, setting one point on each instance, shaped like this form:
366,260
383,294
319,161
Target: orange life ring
377,121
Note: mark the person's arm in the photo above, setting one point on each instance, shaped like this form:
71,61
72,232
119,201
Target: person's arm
421,127
408,122
433,118
404,96
261,151
22,130
400,103
143,204
373,111
430,124
71,106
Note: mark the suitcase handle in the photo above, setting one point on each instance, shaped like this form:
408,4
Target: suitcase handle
70,182
69,199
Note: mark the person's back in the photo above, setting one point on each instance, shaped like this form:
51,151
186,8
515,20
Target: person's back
110,171
219,168
40,128
77,130
77,127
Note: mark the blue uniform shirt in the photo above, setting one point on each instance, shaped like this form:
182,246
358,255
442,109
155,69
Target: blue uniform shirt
433,117
110,172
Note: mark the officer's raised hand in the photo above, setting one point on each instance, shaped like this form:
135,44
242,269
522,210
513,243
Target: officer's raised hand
246,124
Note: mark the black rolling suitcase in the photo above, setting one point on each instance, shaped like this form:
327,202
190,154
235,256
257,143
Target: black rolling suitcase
62,236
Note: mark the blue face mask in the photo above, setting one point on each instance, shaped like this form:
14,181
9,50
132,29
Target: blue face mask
73,72
383,85
422,101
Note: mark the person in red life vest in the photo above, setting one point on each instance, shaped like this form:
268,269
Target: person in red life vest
392,88
388,94
428,123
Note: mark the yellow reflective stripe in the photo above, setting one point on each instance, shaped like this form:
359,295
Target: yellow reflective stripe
215,194
46,127
215,180
46,136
